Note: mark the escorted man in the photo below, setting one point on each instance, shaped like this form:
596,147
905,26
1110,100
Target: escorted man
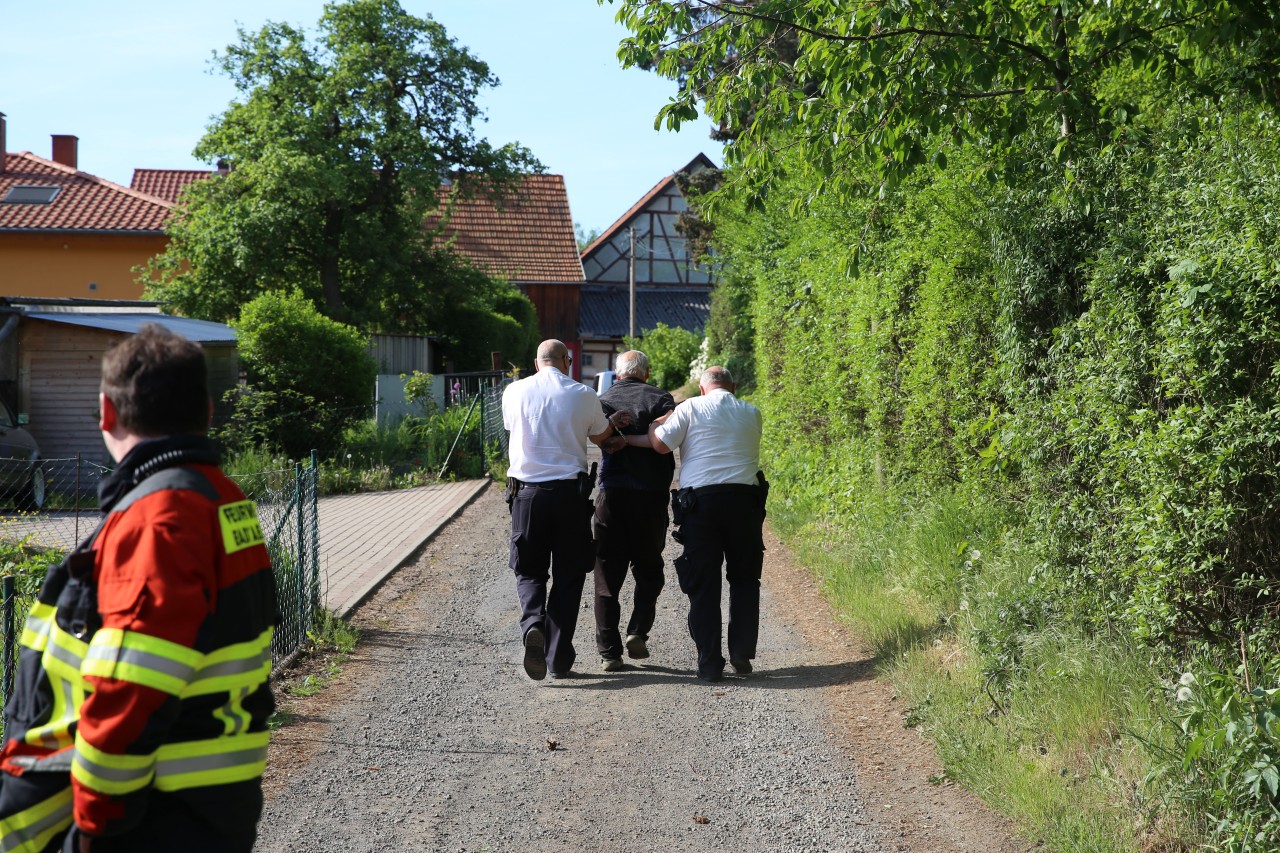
551,417
141,704
631,514
719,516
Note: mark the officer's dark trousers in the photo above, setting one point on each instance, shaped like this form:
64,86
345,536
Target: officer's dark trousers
551,532
631,530
724,527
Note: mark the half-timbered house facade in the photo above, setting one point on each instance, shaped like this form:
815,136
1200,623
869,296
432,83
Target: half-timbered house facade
639,273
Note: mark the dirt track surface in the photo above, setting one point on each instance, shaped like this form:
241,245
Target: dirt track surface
433,739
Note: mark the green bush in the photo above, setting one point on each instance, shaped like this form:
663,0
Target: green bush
308,377
1224,770
28,564
369,457
436,435
671,350
1151,437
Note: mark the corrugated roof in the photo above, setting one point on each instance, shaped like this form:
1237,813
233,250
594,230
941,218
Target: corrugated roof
201,331
527,235
61,304
701,160
605,312
84,203
166,183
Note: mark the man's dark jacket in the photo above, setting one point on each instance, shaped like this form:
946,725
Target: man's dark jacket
637,467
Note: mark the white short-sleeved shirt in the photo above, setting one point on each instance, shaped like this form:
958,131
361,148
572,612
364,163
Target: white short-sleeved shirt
550,417
718,436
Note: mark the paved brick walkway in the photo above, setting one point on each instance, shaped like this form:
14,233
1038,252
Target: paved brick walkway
366,537
363,538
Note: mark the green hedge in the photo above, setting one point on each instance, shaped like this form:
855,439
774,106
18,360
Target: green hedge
1088,357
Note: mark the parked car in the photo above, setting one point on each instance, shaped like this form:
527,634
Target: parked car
22,476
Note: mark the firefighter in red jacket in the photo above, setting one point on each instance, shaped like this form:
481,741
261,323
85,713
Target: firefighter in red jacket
139,717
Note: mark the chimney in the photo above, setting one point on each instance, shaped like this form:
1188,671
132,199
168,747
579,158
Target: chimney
3,142
65,150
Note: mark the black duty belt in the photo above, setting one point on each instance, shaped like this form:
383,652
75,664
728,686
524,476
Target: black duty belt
725,487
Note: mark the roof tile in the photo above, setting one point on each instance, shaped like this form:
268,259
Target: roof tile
166,183
526,235
86,202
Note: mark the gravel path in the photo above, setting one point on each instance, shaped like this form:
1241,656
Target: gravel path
433,739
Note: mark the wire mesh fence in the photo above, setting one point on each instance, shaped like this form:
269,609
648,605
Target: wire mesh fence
33,540
495,435
288,508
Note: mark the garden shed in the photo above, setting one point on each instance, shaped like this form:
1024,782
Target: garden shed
55,360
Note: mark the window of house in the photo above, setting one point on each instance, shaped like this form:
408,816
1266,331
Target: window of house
586,359
31,195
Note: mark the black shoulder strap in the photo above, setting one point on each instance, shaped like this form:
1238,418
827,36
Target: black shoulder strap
187,479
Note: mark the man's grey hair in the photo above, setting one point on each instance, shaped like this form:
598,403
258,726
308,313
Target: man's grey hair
633,363
716,376
552,350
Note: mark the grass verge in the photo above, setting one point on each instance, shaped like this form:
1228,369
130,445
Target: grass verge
1045,724
331,642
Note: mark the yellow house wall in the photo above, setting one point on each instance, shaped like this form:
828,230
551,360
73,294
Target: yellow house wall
71,265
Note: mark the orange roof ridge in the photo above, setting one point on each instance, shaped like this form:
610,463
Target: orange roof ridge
89,176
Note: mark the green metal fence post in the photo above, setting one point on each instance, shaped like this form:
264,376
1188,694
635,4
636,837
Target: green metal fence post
304,624
484,432
315,534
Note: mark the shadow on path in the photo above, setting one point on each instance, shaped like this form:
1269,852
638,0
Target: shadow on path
802,677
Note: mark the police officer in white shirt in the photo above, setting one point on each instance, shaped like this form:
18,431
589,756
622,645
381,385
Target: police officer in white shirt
551,417
719,516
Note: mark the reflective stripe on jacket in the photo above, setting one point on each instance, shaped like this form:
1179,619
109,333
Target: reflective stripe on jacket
144,664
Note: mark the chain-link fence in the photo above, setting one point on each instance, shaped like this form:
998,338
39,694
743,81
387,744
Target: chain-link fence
288,508
491,419
31,541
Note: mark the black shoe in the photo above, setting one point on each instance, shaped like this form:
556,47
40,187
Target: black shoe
742,666
711,676
535,654
560,676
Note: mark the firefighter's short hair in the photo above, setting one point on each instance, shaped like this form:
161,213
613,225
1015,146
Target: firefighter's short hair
159,383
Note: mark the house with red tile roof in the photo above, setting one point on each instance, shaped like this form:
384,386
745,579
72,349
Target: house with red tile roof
67,233
670,287
523,234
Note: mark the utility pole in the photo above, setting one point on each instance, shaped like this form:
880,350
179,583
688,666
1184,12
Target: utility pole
631,279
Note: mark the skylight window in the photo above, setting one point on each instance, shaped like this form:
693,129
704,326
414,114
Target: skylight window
31,195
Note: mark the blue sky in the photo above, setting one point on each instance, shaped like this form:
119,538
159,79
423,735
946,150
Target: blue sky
132,79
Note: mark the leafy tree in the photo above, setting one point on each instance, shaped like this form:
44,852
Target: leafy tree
335,150
585,236
671,350
308,377
885,87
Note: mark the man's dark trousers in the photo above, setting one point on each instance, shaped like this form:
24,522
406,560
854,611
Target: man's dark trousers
551,533
630,530
724,526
